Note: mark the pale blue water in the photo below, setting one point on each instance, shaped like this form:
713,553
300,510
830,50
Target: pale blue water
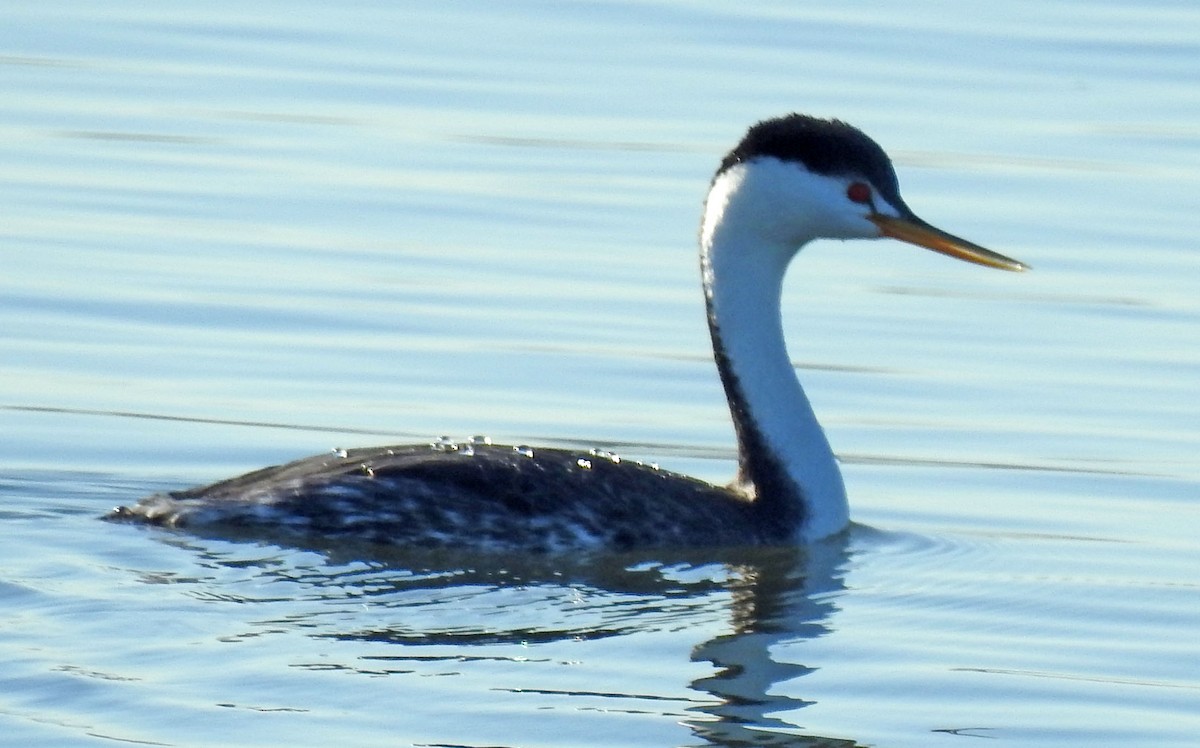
234,234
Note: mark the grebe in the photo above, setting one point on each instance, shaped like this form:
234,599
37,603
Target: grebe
789,181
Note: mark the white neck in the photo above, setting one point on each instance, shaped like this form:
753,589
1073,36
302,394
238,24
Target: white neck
785,458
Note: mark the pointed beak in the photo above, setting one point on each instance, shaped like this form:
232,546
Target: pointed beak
915,231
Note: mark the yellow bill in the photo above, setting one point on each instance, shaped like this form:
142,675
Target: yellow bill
915,231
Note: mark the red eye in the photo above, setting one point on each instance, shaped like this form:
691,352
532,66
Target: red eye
859,192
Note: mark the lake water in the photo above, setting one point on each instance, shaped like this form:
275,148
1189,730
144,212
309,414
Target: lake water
238,233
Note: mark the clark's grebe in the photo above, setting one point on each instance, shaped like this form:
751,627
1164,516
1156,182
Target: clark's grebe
789,181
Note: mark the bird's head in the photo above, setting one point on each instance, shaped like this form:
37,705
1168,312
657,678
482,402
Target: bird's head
798,178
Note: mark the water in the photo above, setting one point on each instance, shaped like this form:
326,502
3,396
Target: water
241,233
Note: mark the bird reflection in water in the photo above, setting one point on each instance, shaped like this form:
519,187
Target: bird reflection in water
765,600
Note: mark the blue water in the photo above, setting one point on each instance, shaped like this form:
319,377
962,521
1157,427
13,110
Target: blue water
235,234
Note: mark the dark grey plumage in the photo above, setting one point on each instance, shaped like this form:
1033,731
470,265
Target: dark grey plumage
479,496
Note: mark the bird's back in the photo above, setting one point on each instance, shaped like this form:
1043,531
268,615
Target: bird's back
479,496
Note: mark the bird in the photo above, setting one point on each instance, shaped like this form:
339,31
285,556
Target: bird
790,180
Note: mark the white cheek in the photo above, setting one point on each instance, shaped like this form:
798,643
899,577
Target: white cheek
856,224
785,205
884,208
851,221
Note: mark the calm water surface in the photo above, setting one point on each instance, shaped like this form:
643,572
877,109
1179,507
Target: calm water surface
235,234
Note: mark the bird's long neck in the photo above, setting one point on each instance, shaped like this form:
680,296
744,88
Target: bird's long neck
785,460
